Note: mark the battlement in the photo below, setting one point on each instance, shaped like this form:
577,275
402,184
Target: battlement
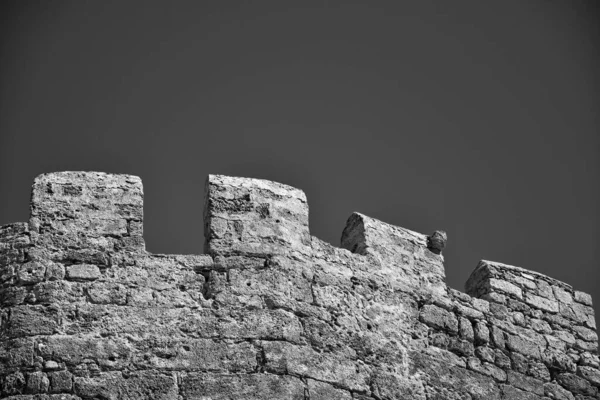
269,311
253,216
518,288
87,211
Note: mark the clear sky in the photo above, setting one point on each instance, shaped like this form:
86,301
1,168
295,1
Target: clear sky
478,117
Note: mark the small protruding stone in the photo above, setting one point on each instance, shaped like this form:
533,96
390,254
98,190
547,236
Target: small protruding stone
84,272
51,365
437,241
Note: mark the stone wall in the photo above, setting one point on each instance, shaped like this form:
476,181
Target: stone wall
270,312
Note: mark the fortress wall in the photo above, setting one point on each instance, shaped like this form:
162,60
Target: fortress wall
269,312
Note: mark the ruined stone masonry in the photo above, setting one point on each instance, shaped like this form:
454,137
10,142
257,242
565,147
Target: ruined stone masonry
269,312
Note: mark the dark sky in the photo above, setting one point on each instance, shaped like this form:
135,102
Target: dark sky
476,117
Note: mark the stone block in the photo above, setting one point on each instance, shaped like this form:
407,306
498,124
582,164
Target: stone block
324,391
31,273
583,298
60,381
576,384
562,295
589,373
526,383
487,368
37,382
31,321
482,333
254,217
523,346
256,386
555,391
281,357
542,303
505,287
466,329
83,272
439,318
512,393
137,385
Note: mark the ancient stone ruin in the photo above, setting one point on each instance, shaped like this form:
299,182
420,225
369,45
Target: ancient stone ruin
269,312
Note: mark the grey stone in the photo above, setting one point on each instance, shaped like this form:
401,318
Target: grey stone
583,298
439,318
542,303
84,272
589,373
576,384
526,383
555,391
482,333
437,241
466,329
270,312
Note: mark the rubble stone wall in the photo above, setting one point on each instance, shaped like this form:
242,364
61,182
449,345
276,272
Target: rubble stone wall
269,312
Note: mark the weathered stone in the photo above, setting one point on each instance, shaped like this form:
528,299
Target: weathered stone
55,271
583,298
506,287
250,387
542,303
466,329
51,365
303,361
30,321
270,312
468,312
523,346
511,393
576,384
586,333
138,385
555,391
461,347
498,337
31,273
487,369
539,325
12,383
519,362
562,295
386,385
558,360
37,382
539,370
84,272
438,318
485,354
589,373
60,381
482,333
437,241
589,359
324,391
274,217
481,305
502,360
526,383
544,289
499,311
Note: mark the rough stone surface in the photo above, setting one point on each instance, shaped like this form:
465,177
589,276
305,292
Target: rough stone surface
270,312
